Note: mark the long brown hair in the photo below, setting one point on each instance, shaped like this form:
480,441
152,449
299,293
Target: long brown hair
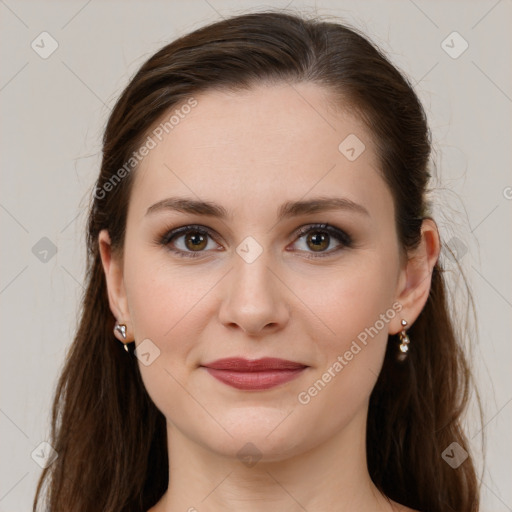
109,435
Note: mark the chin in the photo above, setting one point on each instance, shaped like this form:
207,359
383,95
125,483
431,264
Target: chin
257,434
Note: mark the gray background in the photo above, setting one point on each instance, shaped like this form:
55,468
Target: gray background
54,109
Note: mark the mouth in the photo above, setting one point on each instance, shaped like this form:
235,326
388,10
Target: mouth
255,374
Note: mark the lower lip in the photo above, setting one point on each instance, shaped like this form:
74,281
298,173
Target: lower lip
255,380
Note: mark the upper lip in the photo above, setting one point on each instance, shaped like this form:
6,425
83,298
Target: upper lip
245,365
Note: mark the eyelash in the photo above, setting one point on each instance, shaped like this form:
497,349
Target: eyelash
344,239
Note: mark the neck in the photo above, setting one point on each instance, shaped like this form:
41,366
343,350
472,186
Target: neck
330,476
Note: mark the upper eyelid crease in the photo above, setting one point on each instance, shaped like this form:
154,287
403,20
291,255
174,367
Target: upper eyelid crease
299,232
287,210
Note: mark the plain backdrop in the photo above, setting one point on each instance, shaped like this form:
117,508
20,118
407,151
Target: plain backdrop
54,109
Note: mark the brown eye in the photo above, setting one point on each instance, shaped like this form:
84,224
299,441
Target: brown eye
319,241
196,241
189,241
318,238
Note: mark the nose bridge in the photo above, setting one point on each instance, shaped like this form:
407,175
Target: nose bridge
254,298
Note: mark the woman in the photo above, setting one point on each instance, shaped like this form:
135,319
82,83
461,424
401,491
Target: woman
261,247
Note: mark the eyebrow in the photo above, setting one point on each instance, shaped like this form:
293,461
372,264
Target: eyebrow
287,210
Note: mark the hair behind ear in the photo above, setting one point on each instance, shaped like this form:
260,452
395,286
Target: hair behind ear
420,403
113,426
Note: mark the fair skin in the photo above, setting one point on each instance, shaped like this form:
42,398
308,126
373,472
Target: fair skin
250,152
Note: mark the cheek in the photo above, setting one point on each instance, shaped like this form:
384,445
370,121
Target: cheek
354,306
349,299
163,298
167,307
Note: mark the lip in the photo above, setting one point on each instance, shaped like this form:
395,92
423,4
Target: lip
254,374
241,364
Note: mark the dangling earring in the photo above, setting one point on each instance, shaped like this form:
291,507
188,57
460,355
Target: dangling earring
121,329
404,343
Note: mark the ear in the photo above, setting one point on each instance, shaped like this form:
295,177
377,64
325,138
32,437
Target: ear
113,268
416,276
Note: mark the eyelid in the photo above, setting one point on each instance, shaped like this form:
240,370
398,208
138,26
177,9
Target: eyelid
344,239
175,232
332,230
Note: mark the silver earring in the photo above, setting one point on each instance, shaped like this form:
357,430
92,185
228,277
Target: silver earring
121,329
404,342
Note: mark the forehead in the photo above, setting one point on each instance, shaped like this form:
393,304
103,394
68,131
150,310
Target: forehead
264,144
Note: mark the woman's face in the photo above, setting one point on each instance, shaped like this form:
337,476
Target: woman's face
249,285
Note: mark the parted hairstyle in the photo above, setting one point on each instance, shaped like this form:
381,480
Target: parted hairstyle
109,435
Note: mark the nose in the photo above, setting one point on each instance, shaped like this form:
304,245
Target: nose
254,298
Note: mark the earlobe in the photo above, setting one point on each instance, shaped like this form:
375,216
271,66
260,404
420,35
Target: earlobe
416,277
113,269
